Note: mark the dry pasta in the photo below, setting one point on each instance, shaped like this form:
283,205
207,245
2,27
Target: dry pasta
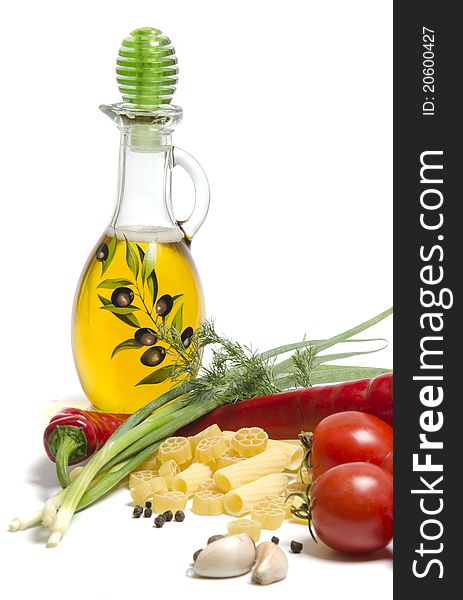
265,463
169,500
150,464
175,448
208,484
138,476
210,431
169,470
144,488
226,460
210,449
270,515
293,452
249,441
280,501
207,502
252,528
239,501
189,480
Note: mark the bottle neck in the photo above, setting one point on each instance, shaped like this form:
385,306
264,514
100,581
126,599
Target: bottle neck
144,203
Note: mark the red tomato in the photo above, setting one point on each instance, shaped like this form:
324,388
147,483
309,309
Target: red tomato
349,436
351,507
388,463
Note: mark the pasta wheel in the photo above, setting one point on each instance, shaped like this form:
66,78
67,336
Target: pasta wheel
150,464
209,449
211,431
207,502
268,514
294,452
138,476
145,488
265,463
189,480
175,448
169,470
279,501
252,528
168,500
249,441
208,484
238,502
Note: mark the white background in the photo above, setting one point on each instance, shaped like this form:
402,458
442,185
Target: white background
288,106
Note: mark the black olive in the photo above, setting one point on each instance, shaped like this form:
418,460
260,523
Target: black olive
101,253
164,305
186,336
146,336
122,297
153,356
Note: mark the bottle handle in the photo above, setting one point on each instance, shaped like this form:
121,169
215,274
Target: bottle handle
202,193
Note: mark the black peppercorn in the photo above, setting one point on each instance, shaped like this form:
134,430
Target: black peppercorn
159,521
296,547
148,504
147,513
168,515
137,512
179,516
275,540
214,538
196,554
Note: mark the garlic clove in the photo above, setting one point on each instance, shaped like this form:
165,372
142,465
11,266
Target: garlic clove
227,557
271,564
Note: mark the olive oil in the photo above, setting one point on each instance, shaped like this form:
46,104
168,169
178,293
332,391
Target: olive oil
134,280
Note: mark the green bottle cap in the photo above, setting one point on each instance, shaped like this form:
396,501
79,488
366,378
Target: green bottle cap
147,71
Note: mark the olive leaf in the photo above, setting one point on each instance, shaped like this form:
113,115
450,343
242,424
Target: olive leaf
152,283
127,345
131,258
141,252
104,300
120,310
177,321
129,319
112,245
157,376
112,284
175,298
148,261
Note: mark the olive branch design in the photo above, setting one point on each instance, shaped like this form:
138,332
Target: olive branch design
165,323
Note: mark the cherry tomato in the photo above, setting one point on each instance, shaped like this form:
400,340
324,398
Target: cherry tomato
349,436
388,463
351,507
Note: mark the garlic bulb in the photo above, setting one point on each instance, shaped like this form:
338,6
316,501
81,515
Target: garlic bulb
227,557
271,564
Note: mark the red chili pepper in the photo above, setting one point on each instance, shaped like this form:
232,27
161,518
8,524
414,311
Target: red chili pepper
74,435
285,415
